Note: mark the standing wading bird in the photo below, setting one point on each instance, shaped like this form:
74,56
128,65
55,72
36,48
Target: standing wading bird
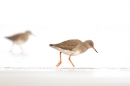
72,48
19,39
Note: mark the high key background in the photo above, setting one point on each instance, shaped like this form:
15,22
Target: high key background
106,22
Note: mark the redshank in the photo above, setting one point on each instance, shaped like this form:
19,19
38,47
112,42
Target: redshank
72,48
19,39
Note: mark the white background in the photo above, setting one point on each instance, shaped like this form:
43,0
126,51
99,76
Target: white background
106,22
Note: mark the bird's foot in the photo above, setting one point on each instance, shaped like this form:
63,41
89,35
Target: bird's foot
10,51
73,65
58,63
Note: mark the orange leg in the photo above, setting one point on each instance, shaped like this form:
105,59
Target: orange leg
12,47
21,48
59,61
71,61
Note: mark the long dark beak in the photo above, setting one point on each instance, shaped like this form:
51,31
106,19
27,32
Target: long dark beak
94,49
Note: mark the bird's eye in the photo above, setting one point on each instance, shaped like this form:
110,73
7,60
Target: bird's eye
90,44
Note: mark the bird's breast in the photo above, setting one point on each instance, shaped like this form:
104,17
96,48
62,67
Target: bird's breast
69,52
19,41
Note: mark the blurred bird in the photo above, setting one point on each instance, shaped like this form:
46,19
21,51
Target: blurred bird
72,48
19,39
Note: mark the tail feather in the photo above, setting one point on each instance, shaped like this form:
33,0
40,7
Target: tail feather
7,37
50,44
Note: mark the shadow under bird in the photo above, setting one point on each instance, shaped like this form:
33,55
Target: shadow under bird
72,48
19,39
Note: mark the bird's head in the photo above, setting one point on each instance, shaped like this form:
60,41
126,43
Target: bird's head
28,32
90,44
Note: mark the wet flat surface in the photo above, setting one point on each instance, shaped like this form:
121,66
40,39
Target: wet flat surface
64,77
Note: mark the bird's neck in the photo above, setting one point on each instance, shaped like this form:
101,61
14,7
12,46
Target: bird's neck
83,48
86,44
26,36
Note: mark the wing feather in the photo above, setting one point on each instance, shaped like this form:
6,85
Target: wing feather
68,44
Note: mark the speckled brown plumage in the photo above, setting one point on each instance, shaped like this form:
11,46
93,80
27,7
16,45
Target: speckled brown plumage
19,38
68,44
73,47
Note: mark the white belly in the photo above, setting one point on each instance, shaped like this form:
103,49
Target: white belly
19,42
68,52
